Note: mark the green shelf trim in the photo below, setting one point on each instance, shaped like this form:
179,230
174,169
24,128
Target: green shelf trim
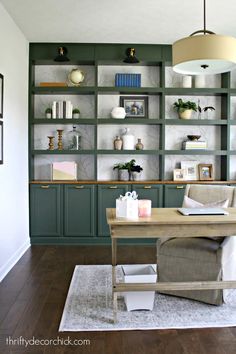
232,152
233,91
82,90
196,122
62,152
196,152
232,121
78,121
129,152
195,91
129,121
130,90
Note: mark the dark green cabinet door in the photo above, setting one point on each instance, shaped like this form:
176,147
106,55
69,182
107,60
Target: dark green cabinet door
45,217
107,195
174,195
152,192
79,210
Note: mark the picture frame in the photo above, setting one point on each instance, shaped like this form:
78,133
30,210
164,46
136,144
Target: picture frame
1,94
191,170
1,142
205,172
135,106
179,174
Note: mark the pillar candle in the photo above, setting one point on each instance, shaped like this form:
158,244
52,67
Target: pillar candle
144,207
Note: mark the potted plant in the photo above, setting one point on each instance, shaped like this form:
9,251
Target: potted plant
185,108
76,113
134,171
48,112
205,109
123,172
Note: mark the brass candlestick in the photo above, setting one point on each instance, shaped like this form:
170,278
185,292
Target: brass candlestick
51,143
59,143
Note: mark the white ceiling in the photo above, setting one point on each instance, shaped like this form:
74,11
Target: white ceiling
119,21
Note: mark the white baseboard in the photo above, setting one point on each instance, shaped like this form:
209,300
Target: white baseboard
13,260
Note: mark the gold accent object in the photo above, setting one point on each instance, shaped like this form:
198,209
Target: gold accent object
51,143
60,143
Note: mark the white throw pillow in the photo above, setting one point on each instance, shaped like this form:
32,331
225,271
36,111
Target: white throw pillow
191,203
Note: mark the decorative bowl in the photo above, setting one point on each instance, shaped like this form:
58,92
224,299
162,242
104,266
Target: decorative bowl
193,137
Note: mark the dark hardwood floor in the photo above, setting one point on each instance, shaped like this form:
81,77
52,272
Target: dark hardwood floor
32,298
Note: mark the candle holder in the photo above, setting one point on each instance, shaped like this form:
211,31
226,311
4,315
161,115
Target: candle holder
60,143
51,143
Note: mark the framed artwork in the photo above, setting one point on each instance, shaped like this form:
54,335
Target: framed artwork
205,172
1,142
135,106
191,170
1,95
179,174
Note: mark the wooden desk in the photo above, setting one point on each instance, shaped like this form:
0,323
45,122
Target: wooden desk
168,222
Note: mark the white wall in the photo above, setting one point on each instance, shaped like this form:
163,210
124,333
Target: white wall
14,230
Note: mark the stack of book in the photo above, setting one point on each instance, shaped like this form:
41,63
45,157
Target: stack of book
128,80
62,109
194,145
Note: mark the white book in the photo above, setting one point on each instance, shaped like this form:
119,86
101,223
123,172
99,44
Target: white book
54,115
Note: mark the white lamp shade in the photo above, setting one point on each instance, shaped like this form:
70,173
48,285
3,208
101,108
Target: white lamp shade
216,51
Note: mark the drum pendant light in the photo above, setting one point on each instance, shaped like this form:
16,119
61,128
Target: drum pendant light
204,52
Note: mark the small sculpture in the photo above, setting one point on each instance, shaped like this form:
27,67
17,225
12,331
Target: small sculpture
59,143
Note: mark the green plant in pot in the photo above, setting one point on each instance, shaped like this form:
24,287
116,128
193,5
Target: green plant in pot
185,108
135,172
48,112
76,113
123,172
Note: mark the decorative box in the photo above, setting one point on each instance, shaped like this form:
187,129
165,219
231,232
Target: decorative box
66,170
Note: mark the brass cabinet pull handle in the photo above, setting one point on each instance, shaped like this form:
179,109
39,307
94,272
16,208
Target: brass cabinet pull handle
44,187
147,187
179,187
79,187
113,187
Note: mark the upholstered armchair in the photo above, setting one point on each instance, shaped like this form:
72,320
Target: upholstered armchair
195,259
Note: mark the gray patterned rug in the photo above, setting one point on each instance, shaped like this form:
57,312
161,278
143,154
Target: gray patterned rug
88,307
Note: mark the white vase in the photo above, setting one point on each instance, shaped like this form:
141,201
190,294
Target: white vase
76,115
49,115
128,140
187,81
118,113
199,81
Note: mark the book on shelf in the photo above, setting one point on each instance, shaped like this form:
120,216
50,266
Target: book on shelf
189,145
53,84
62,109
128,80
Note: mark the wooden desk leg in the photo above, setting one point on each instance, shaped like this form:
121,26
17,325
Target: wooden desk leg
114,294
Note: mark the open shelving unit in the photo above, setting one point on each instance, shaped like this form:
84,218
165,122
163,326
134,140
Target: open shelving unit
161,132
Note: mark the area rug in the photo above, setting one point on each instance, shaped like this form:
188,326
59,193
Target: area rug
88,307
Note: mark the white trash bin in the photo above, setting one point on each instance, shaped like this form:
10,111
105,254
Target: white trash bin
142,273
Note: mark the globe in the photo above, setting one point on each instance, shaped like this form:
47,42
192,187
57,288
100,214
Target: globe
75,77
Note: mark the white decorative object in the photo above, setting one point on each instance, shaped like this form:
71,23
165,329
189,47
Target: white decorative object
118,113
128,140
76,115
187,81
76,76
139,300
199,81
127,206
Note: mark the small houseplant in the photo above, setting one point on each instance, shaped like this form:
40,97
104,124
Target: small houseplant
128,171
185,108
123,172
134,171
76,113
48,112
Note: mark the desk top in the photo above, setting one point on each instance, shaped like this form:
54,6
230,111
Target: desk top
171,216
